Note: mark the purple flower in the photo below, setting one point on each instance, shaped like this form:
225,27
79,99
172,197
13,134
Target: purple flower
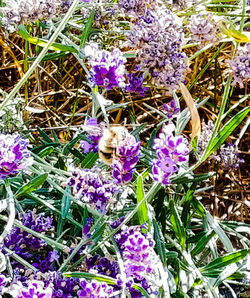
94,289
228,157
158,37
3,282
34,288
171,151
87,227
138,255
205,136
163,169
240,66
44,264
128,156
170,109
94,131
14,155
168,145
93,187
135,84
202,28
62,286
102,266
22,242
107,68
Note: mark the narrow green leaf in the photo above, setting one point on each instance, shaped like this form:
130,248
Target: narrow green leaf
221,234
42,42
71,144
142,290
99,277
201,244
177,225
226,130
87,28
31,185
225,260
159,242
142,210
44,135
65,205
46,151
89,160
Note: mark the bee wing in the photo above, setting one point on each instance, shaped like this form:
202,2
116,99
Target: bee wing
92,130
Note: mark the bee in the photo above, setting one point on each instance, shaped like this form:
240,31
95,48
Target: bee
112,139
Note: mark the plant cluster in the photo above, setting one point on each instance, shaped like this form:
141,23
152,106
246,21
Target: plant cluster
113,211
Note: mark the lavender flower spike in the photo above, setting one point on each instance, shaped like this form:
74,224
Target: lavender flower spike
93,187
94,289
35,288
128,156
14,155
171,151
240,66
107,68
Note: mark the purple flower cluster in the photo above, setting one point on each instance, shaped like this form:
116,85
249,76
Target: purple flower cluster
202,28
136,8
206,133
44,264
3,282
94,289
22,242
61,286
137,251
158,37
240,66
95,131
14,155
93,187
27,11
107,68
34,288
135,83
128,156
229,158
170,109
102,265
171,151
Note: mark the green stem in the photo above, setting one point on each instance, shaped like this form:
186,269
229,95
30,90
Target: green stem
243,13
41,55
12,211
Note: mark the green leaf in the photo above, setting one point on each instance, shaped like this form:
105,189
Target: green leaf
199,208
141,289
31,186
226,130
65,205
177,225
159,242
89,160
99,277
190,179
71,144
221,262
221,234
42,42
87,28
200,246
46,151
44,135
142,210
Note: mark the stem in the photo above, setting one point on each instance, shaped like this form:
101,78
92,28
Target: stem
12,212
41,55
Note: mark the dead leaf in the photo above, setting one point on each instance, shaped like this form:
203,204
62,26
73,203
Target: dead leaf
195,118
